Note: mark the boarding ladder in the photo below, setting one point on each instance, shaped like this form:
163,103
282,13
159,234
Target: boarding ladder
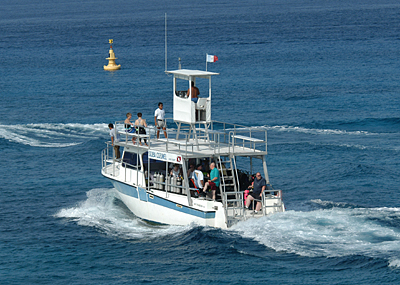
231,196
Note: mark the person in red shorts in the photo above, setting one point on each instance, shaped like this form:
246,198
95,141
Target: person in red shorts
213,183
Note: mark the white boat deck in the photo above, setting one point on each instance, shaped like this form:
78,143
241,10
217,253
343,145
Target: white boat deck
192,149
241,141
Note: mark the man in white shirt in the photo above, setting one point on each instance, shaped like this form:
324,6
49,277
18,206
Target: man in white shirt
114,138
159,120
199,178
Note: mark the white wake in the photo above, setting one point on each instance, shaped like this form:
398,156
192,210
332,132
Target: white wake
52,135
99,211
336,232
332,232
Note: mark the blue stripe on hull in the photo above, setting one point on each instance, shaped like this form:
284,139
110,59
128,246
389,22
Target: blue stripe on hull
181,208
126,189
144,196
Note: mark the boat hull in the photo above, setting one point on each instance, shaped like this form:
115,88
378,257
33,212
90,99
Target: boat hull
166,208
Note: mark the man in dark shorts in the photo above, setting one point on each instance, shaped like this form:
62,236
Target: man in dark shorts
259,186
159,120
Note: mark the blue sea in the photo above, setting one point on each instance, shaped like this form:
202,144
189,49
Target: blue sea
321,76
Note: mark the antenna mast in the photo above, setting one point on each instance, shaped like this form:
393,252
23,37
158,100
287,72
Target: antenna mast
166,42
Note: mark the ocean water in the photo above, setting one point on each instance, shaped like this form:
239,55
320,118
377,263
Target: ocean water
321,76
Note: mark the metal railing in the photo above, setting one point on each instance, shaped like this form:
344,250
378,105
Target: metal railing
216,136
265,209
111,166
108,165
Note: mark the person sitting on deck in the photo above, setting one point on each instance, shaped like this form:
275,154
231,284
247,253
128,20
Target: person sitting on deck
176,172
129,126
140,125
259,186
198,178
213,183
195,92
190,171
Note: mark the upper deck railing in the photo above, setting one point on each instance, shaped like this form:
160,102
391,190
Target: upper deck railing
217,137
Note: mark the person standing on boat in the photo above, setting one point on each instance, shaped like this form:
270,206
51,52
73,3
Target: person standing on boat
199,178
258,188
140,125
213,183
195,92
129,126
159,120
114,139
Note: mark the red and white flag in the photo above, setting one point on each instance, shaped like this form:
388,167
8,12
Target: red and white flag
211,58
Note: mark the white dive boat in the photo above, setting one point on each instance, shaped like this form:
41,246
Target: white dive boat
142,178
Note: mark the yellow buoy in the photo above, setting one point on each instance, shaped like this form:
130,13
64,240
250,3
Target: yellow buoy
111,59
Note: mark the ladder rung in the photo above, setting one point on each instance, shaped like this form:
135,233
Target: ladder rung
234,200
227,177
233,192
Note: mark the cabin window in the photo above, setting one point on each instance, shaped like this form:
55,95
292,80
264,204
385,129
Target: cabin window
131,160
155,165
181,88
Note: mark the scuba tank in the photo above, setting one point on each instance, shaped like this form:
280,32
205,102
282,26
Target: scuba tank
183,186
178,183
161,180
155,180
168,182
173,183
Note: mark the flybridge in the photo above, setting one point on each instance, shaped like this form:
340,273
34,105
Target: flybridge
189,108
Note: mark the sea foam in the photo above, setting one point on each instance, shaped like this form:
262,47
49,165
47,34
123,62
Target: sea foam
339,230
336,232
101,211
315,131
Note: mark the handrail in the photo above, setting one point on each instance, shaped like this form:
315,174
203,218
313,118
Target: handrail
219,135
106,157
263,199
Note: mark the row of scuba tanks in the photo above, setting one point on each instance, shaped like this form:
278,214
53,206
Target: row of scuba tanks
172,183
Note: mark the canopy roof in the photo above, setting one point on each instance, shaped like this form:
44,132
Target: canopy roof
186,73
